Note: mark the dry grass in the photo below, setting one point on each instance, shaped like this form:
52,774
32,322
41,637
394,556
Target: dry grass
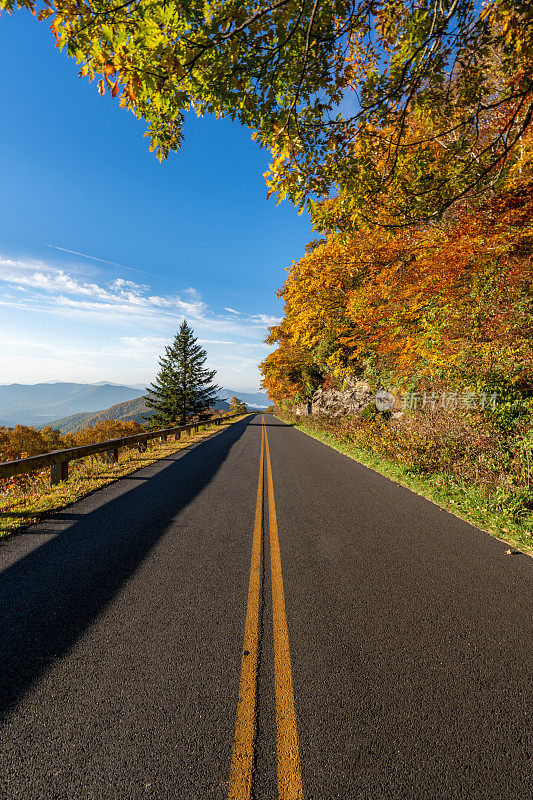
23,505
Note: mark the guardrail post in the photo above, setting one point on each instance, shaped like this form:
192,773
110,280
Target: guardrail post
141,447
162,439
112,455
58,473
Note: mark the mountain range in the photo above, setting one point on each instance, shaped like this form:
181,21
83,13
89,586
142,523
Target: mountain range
55,404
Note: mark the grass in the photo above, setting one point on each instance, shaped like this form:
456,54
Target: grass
463,500
25,505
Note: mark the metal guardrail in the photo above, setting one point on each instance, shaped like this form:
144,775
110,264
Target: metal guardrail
58,460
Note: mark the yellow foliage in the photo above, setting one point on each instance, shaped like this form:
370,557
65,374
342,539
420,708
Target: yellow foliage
451,301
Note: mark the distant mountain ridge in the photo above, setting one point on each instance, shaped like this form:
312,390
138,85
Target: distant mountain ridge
72,406
41,403
255,399
137,411
134,410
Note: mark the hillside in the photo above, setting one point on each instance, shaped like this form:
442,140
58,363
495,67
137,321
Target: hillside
253,399
42,403
71,406
134,410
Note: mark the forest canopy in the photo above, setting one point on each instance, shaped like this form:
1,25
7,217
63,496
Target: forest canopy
375,111
448,306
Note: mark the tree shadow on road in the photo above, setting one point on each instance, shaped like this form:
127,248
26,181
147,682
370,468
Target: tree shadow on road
50,596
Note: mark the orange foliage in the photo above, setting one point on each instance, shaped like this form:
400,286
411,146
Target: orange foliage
448,303
22,441
101,431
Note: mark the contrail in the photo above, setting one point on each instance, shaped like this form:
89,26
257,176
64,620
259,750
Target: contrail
104,261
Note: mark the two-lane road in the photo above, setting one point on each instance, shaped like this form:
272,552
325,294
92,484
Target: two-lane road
259,616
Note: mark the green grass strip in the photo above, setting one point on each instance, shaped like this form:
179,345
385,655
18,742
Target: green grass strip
463,500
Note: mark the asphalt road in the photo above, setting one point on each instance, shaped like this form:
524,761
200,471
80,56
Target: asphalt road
144,655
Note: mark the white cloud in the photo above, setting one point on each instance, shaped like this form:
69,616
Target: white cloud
265,319
117,299
112,329
216,341
54,290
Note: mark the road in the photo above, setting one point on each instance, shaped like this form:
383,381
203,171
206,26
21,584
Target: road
259,616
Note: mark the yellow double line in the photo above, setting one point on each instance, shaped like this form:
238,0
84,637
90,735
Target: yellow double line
289,773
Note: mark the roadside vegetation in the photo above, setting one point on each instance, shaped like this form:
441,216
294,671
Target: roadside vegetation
441,317
404,129
183,392
237,406
26,498
450,478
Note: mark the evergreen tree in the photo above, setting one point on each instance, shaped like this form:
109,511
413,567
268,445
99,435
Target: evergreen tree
183,387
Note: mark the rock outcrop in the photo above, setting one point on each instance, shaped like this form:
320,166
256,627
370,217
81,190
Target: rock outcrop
302,409
352,398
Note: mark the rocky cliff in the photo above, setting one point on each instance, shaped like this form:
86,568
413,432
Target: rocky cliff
352,398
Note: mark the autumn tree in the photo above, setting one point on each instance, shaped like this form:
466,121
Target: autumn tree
22,441
237,406
395,108
184,386
450,305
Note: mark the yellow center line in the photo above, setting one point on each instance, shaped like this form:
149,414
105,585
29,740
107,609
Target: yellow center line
289,773
240,780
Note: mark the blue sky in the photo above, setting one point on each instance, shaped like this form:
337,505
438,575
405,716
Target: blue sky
76,173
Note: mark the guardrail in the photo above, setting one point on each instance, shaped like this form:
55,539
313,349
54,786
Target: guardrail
58,460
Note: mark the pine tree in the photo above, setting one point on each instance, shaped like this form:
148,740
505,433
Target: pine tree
183,387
